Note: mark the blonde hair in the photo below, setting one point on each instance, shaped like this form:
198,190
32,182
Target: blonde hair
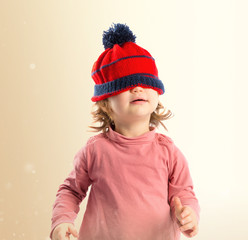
102,115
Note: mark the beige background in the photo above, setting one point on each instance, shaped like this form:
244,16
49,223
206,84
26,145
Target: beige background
47,49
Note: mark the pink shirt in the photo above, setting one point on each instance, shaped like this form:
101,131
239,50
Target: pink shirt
133,182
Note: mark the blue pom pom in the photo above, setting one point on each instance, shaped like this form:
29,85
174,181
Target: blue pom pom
118,34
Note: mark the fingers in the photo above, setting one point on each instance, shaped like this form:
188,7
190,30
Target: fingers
73,231
60,236
186,220
187,226
185,212
178,207
192,234
67,237
180,210
63,231
178,204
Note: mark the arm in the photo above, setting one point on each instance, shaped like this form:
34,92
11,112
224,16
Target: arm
71,192
180,182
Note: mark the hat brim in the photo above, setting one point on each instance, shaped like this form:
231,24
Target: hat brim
103,91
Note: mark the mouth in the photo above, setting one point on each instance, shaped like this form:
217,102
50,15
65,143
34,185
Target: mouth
139,100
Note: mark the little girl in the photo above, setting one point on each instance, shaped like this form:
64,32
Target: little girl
141,188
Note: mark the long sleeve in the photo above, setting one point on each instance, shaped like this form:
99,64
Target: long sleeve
180,183
71,192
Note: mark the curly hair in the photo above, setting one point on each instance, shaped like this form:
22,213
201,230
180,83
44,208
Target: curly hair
102,115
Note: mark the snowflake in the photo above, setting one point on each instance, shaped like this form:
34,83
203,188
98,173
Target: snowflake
32,66
29,168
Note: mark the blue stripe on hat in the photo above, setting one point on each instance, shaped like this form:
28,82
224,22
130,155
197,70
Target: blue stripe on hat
126,82
136,56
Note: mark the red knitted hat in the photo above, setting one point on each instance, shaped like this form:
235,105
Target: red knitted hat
123,65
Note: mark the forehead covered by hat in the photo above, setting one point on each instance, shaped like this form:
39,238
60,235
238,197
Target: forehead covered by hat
123,65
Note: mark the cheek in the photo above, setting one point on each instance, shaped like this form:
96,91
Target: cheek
117,107
155,101
121,103
155,106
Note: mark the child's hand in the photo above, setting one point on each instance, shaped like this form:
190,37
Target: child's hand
63,231
187,218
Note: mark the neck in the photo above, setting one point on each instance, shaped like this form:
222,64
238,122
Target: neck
132,130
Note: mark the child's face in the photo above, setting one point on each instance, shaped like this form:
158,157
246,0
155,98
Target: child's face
124,110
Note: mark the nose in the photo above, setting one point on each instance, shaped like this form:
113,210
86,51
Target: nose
137,89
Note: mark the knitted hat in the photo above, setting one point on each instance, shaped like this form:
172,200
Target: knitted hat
123,65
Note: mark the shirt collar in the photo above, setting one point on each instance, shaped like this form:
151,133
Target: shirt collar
121,139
